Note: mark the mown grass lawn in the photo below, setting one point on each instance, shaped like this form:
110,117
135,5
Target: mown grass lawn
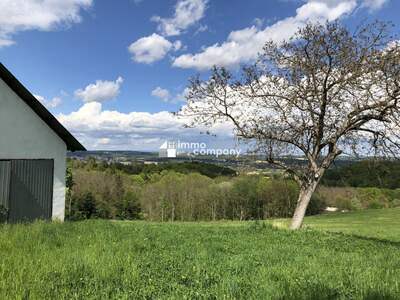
128,260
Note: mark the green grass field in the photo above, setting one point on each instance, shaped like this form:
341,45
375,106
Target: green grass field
383,224
223,260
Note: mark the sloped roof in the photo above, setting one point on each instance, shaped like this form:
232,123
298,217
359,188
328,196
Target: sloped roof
72,143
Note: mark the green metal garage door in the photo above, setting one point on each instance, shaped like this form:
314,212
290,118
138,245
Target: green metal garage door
5,172
30,189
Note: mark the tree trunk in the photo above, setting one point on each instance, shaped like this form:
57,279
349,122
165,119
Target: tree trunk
241,214
302,203
173,213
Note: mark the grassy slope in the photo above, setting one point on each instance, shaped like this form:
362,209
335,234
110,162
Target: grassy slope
381,224
101,259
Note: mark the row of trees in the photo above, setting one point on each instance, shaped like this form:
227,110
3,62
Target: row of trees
96,194
173,196
196,197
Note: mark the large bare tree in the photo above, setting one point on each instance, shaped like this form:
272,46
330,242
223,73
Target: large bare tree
324,92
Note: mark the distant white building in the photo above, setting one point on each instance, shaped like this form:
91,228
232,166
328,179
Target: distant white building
33,149
167,150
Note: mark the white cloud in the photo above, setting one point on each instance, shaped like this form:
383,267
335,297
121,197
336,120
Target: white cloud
166,96
6,42
187,13
104,141
52,103
104,129
177,45
201,28
152,48
374,4
100,91
258,22
44,15
244,45
319,10
161,93
155,47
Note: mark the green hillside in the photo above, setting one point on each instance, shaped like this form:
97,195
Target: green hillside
220,260
381,224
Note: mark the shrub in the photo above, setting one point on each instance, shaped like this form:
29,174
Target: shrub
317,205
356,204
245,201
344,203
395,203
346,198
375,204
3,214
373,197
129,207
278,196
83,207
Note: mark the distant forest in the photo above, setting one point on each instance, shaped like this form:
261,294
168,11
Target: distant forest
187,191
194,191
367,173
145,170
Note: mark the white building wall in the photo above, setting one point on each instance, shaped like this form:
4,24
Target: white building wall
24,135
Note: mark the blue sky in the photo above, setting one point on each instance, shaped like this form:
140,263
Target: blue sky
111,70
